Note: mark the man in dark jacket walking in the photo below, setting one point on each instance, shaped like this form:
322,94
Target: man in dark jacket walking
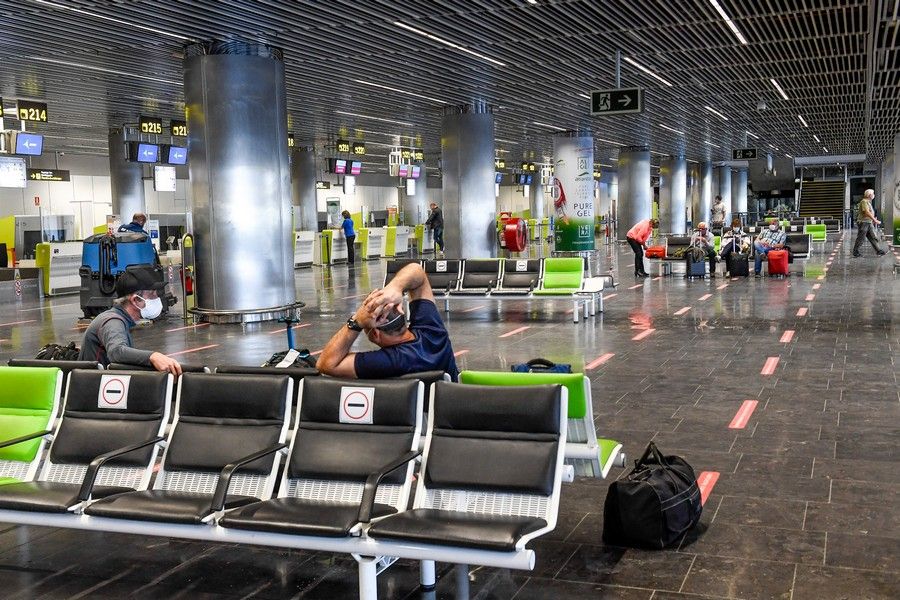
435,222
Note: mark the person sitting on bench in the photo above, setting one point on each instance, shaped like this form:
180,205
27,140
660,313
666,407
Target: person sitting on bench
734,241
770,239
703,239
421,345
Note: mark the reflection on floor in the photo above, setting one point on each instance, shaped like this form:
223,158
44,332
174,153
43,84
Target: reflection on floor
805,505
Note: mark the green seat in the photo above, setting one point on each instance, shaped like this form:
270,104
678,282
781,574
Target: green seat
562,276
589,455
717,243
28,401
817,231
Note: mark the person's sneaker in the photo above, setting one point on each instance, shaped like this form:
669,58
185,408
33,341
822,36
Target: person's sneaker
856,255
757,275
712,275
882,253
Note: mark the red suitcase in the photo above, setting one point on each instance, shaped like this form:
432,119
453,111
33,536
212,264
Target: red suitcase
778,262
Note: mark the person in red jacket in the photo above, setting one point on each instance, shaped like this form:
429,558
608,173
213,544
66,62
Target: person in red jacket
637,238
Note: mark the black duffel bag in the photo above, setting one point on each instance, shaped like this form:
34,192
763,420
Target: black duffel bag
654,504
541,365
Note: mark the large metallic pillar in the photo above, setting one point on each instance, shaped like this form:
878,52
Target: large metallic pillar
467,159
892,198
303,187
240,181
415,207
635,193
739,192
536,203
125,179
724,176
573,194
706,192
672,194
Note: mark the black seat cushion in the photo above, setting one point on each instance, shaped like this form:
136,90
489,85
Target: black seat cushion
161,505
451,528
300,517
48,496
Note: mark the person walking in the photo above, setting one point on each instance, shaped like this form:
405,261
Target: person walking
350,234
435,223
865,225
637,238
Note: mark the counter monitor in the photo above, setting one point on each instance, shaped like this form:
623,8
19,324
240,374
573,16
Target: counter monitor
355,167
177,155
29,144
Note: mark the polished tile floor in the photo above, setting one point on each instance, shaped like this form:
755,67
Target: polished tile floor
802,501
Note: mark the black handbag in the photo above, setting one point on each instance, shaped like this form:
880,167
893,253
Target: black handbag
654,504
541,365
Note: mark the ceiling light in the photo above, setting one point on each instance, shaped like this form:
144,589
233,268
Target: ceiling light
658,153
737,32
598,139
350,114
102,70
788,155
531,1
645,70
385,87
549,126
715,112
671,129
755,137
105,18
780,91
802,120
824,148
607,166
585,96
815,137
448,43
708,143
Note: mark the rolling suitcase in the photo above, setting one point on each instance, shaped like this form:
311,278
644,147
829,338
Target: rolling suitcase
738,264
778,262
695,268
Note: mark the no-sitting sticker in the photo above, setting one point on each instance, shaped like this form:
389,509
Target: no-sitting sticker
113,391
357,405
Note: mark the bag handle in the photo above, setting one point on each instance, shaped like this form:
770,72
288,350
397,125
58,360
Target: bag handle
654,451
541,362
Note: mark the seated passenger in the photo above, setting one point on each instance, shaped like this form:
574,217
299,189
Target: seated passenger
137,224
703,239
770,239
422,345
108,338
735,240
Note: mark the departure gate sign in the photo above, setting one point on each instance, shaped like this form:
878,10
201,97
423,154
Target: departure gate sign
359,148
151,125
179,128
343,146
31,111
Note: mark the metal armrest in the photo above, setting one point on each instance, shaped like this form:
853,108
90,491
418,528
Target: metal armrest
367,503
218,499
531,285
90,476
24,438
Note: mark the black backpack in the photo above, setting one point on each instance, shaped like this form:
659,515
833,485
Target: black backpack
541,365
302,359
57,352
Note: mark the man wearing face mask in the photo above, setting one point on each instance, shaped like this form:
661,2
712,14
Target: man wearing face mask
108,338
770,239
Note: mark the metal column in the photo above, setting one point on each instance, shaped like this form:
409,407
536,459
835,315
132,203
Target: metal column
467,154
672,194
240,181
739,193
303,187
724,176
125,179
635,192
706,195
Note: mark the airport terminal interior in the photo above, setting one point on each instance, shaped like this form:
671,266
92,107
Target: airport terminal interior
520,152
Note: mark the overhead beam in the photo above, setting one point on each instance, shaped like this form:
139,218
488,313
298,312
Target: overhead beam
829,159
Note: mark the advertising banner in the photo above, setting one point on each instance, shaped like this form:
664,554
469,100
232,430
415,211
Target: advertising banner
573,193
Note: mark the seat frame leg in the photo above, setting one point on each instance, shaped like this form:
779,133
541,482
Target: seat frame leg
427,578
575,312
368,577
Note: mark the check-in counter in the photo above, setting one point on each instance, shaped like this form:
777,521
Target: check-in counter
396,240
424,239
332,246
371,242
304,244
59,263
17,285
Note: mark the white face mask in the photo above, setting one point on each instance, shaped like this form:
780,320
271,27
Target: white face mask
773,227
152,308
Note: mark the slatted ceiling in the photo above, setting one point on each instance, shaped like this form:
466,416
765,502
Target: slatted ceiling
554,51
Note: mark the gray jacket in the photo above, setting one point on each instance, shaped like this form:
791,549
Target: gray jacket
108,340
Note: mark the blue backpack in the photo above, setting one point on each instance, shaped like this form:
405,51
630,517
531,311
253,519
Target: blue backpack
541,365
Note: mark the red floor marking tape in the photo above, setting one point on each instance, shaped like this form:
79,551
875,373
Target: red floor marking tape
706,481
810,297
192,350
515,331
608,296
743,414
187,327
769,367
704,297
657,278
801,312
316,353
474,308
459,353
294,327
598,361
722,287
820,277
817,286
642,335
787,336
18,322
681,311
634,287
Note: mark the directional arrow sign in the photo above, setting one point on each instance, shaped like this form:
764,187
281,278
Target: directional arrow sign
744,154
617,102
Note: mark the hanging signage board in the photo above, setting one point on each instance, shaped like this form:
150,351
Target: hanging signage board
48,175
617,101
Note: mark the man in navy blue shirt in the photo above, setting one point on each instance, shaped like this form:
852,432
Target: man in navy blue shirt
137,224
421,345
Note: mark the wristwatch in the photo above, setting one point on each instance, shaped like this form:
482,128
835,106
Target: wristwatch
352,325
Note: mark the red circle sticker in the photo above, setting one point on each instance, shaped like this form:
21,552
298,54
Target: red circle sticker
113,391
356,405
